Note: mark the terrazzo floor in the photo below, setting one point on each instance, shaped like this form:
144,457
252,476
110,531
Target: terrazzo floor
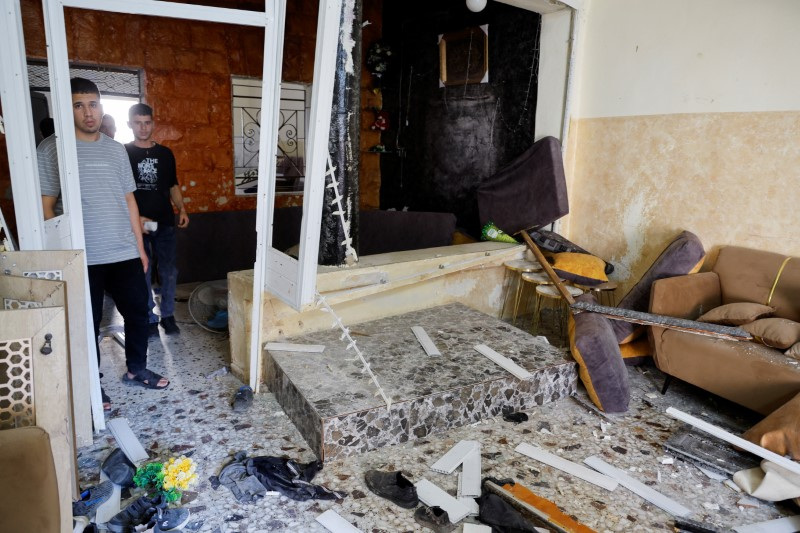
194,417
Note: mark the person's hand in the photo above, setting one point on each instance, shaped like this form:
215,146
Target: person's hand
145,261
183,218
780,431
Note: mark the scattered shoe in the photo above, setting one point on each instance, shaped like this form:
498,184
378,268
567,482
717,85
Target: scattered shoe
169,325
434,518
242,399
138,513
152,329
145,378
119,469
516,418
170,519
94,498
392,486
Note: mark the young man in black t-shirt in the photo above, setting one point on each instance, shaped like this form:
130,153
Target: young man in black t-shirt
157,190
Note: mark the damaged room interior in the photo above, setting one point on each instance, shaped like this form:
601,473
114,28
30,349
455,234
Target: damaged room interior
455,266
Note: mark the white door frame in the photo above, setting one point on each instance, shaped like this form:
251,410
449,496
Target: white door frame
272,272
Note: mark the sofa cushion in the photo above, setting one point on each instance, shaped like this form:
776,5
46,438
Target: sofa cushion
684,255
794,351
584,269
736,314
531,191
636,352
594,347
748,275
778,333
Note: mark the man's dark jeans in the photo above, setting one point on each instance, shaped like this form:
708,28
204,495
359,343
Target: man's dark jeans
161,243
124,281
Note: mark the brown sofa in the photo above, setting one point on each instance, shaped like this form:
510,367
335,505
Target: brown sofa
747,373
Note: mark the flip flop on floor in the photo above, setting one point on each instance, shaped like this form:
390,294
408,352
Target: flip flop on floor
145,378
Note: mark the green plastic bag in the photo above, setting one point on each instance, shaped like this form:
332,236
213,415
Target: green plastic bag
490,232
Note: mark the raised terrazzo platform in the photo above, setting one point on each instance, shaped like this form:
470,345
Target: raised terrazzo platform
334,407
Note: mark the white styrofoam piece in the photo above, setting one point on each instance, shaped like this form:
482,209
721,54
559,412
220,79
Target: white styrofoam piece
504,362
426,342
787,524
739,442
431,495
470,504
476,528
289,347
469,480
127,441
534,452
335,523
455,456
638,488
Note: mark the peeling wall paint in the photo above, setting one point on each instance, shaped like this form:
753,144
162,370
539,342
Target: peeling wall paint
346,35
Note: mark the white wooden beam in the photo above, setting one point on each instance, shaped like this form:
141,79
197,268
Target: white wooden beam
20,137
431,495
61,100
739,442
640,489
334,523
270,101
503,361
175,10
787,524
455,456
586,474
425,341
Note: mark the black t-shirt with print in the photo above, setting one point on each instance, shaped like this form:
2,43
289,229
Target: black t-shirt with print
154,172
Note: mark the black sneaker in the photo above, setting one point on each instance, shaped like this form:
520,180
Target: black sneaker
94,498
434,518
169,325
119,469
138,513
170,519
152,329
392,486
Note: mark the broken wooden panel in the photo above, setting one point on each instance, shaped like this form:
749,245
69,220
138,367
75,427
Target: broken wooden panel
69,266
33,354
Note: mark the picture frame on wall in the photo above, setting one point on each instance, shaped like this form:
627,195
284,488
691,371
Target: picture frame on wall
464,56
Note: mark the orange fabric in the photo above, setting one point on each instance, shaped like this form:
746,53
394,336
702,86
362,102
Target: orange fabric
554,514
637,348
583,373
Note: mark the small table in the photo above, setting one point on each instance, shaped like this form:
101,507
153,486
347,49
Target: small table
602,291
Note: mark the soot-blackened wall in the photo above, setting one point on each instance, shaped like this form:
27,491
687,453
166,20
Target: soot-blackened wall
443,141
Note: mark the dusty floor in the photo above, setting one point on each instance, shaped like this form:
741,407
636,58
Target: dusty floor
194,416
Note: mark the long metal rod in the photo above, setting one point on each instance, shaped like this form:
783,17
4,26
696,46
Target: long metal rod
547,268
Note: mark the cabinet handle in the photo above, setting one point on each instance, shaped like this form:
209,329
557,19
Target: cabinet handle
47,349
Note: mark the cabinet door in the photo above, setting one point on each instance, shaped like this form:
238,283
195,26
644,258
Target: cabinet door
34,387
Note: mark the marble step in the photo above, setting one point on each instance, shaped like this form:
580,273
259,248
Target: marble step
335,407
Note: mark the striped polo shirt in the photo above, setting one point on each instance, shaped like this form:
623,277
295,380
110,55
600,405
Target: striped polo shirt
105,178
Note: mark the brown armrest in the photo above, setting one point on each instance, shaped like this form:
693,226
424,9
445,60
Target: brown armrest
686,296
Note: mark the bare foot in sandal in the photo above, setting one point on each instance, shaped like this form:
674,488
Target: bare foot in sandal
146,378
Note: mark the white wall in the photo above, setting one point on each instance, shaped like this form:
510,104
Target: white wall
649,57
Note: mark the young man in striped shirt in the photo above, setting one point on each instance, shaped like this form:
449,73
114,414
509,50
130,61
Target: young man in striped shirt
114,251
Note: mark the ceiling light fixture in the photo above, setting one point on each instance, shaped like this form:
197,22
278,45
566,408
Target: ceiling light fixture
476,5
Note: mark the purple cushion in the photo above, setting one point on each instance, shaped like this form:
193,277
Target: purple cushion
594,346
683,255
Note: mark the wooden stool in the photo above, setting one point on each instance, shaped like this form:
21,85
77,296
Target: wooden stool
604,291
535,279
517,267
549,293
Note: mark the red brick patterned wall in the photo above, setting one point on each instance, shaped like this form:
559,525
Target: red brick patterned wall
187,68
